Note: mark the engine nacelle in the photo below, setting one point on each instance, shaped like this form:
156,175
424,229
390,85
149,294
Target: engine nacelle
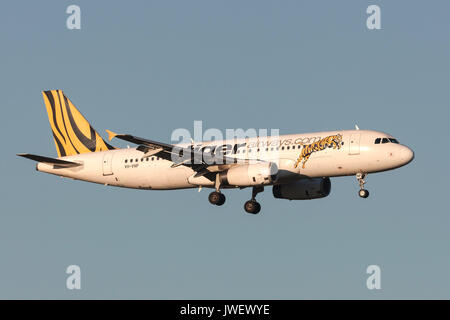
304,189
250,175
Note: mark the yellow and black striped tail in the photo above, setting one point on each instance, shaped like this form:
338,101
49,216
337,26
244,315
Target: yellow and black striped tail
71,131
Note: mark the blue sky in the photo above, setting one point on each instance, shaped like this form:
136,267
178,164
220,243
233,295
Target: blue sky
149,67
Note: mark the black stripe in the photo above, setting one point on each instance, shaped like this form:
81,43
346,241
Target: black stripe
110,147
62,152
52,105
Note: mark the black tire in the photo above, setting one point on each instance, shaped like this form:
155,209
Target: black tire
258,208
252,207
363,193
221,199
214,197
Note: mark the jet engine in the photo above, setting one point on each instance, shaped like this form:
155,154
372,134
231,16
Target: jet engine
304,189
250,175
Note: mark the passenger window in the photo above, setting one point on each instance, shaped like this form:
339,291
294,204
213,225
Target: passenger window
377,140
385,140
288,148
126,160
131,160
282,148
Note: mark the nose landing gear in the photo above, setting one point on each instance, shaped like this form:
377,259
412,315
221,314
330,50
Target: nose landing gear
252,206
363,193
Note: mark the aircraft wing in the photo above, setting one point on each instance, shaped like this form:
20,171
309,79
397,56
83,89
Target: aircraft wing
203,162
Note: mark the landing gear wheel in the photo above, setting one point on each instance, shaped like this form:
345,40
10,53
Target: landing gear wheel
216,198
258,208
252,206
363,193
221,200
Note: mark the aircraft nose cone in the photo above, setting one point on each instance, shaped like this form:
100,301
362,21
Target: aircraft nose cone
406,155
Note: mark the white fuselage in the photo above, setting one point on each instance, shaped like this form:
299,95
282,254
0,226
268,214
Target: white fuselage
358,153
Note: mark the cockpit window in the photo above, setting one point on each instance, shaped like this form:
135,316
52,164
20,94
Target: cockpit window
393,140
385,140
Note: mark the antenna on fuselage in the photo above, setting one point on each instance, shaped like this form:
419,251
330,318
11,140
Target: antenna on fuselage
356,127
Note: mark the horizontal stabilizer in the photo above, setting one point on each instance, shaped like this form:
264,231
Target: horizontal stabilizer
58,162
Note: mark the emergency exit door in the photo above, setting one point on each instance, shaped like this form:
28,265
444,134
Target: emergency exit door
354,143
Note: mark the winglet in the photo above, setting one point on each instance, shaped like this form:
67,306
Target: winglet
111,134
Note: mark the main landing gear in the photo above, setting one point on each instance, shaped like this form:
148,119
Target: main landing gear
363,193
217,197
252,206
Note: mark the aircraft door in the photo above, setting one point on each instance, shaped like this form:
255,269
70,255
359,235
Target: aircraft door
354,143
107,163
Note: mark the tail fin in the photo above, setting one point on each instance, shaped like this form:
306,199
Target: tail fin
72,133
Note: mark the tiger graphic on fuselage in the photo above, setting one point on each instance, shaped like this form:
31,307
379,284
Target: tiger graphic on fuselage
334,141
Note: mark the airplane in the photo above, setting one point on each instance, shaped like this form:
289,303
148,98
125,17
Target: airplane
297,166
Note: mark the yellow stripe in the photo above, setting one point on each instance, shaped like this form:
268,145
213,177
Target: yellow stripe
100,145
